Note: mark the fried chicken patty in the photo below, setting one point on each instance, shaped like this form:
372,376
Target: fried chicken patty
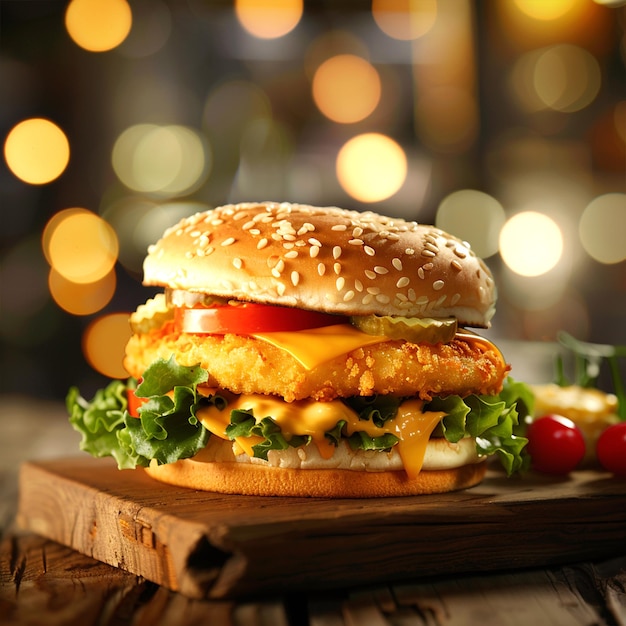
246,365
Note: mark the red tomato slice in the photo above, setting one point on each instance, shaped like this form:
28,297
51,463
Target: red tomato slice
134,402
250,318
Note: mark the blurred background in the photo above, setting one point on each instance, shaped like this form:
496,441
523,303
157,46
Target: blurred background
501,121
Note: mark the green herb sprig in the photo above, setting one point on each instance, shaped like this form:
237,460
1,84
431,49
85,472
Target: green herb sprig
588,361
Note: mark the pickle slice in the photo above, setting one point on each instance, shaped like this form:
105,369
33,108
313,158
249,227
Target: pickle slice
413,329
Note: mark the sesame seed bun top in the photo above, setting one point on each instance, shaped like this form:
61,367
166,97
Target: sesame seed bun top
324,258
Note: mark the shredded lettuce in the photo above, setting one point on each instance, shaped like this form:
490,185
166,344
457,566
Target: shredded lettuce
168,429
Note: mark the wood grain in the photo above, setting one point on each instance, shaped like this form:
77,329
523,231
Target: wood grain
217,546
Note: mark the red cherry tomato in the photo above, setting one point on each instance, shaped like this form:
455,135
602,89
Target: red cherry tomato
611,449
250,318
555,444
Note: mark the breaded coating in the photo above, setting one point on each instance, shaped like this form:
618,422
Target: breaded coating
246,365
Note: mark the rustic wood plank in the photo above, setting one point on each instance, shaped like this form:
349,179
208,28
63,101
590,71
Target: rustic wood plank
212,545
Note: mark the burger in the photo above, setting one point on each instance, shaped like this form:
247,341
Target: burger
294,350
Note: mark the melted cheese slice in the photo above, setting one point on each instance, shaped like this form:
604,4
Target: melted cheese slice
318,345
412,426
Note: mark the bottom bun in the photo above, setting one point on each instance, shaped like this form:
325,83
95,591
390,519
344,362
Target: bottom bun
256,480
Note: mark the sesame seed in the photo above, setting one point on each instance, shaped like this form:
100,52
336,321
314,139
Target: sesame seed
371,275
208,250
422,301
315,242
397,263
280,287
280,265
460,252
295,278
195,233
356,242
382,298
321,269
357,232
438,284
237,263
369,250
228,242
358,285
339,227
428,253
340,283
314,251
379,269
428,266
367,299
216,222
420,273
456,265
337,252
238,216
292,254
409,251
189,254
373,290
455,298
402,282
261,243
275,273
255,231
349,295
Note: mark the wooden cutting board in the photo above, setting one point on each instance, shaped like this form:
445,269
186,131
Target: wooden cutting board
217,546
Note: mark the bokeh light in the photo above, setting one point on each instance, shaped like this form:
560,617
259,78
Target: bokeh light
104,342
37,151
531,243
164,160
98,25
346,88
371,167
81,298
269,19
473,216
542,10
602,228
80,245
563,77
404,19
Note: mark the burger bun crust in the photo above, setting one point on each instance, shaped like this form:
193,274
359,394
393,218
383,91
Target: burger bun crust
326,259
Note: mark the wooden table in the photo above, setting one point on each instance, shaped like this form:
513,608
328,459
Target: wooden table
44,582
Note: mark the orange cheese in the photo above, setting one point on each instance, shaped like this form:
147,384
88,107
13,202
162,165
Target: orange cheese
317,345
412,426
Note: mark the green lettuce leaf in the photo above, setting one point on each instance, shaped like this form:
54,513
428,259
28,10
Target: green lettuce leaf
167,428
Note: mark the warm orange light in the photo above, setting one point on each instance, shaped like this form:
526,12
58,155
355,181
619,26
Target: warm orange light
104,342
37,151
98,25
346,88
268,19
80,245
371,167
81,298
404,19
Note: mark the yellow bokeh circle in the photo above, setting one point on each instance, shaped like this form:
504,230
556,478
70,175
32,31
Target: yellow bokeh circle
98,25
80,245
104,343
371,167
81,298
269,19
37,151
346,88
